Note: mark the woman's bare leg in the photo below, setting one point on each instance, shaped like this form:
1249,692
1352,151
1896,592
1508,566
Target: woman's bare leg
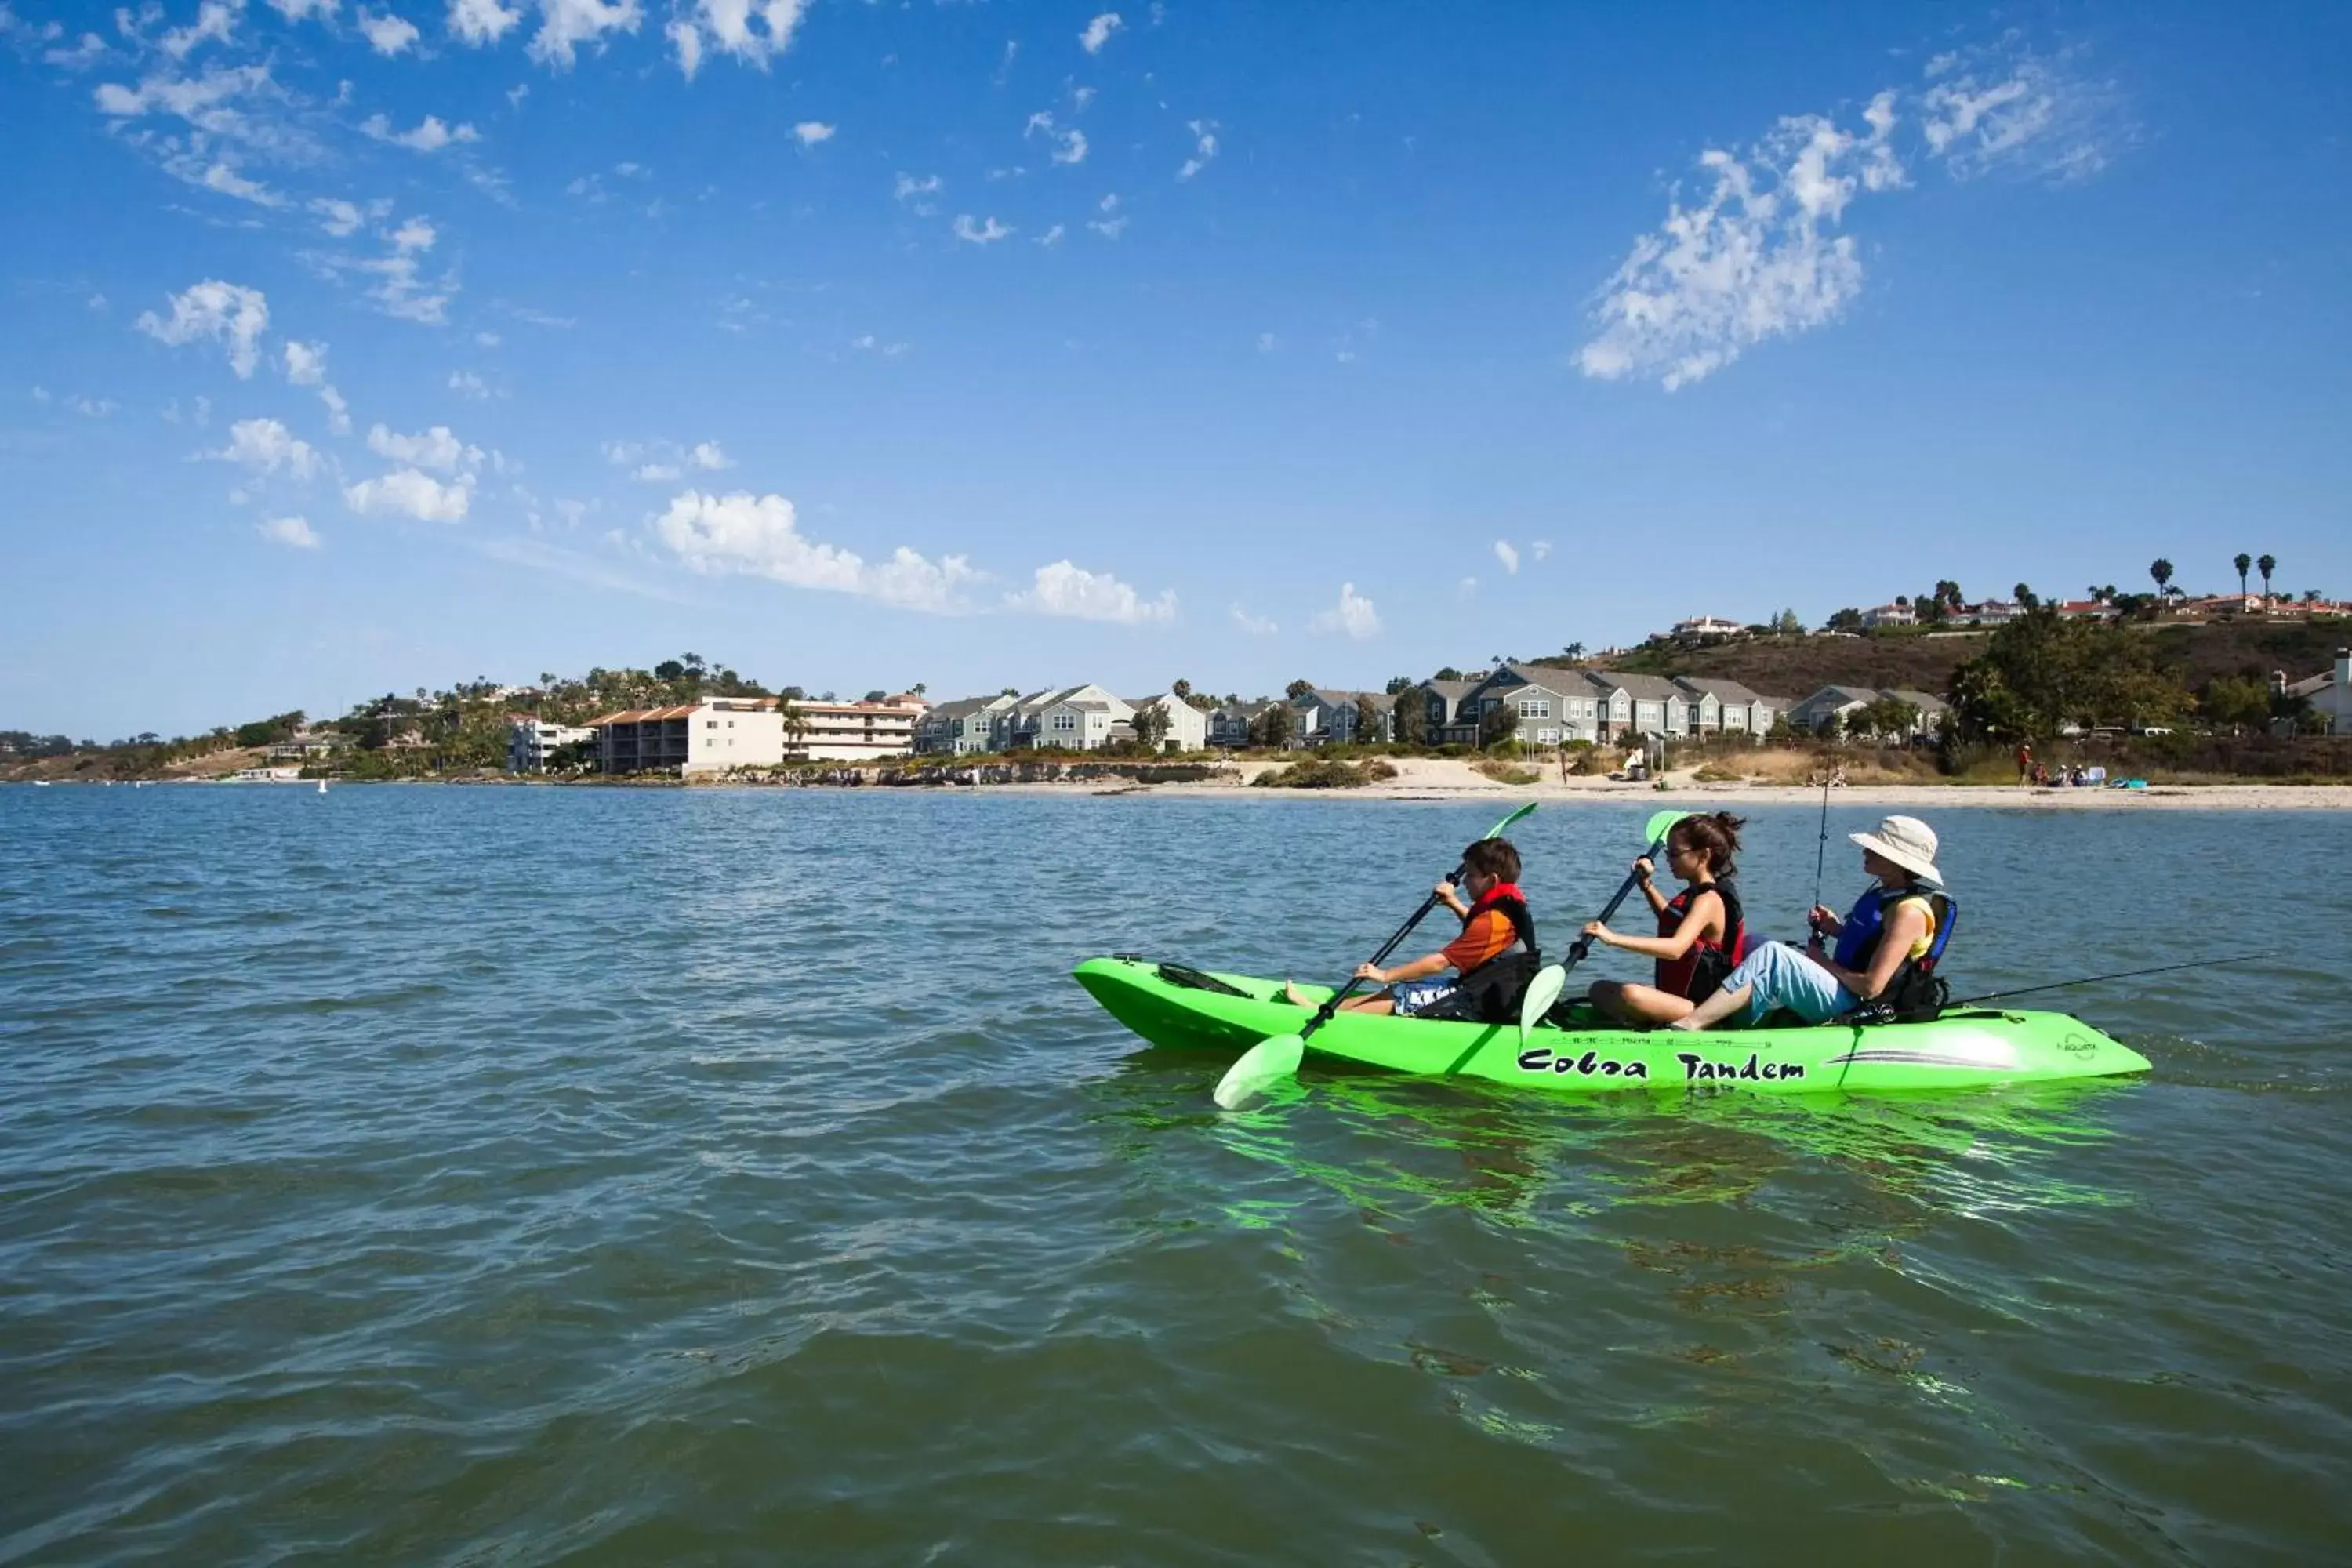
1714,1010
1644,1006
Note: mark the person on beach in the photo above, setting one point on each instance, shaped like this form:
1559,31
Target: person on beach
1479,973
1881,942
1701,933
2025,763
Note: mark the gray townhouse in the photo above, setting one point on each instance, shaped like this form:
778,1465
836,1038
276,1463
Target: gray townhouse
1229,724
1727,708
962,728
1552,706
1843,703
1447,724
1324,718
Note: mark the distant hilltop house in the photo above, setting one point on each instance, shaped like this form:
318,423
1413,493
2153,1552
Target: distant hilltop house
309,745
1890,616
1840,704
2329,692
2087,610
1705,628
719,732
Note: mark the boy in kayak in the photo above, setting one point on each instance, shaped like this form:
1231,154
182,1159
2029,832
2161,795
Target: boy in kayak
1880,942
1497,940
1702,934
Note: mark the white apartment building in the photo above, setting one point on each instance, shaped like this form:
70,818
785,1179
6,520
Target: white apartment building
694,737
853,731
531,741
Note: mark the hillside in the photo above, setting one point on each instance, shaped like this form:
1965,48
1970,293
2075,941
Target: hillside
1796,667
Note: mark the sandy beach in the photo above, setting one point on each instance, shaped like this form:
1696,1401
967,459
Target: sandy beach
1446,778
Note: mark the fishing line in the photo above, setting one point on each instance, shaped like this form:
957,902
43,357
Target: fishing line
2101,979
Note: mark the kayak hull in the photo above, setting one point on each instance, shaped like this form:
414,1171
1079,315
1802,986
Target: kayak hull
1964,1048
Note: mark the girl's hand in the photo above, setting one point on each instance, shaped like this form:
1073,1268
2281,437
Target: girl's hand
1600,933
1371,971
1444,892
1641,869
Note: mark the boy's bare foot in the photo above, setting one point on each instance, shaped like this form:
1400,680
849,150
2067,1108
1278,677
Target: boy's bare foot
1292,995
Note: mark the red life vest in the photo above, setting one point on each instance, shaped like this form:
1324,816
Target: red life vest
1698,972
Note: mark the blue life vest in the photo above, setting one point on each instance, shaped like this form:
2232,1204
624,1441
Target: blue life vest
1858,937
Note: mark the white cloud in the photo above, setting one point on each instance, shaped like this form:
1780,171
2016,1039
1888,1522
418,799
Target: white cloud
867,343
430,136
294,533
1098,32
1506,552
1761,257
466,383
215,22
398,286
1256,625
406,492
812,132
1205,148
759,536
481,22
265,446
1113,223
41,394
751,30
341,219
1051,237
96,408
487,339
1065,146
438,448
88,52
306,366
297,10
1540,549
222,312
1353,614
658,473
387,34
566,25
1071,591
915,194
981,234
707,455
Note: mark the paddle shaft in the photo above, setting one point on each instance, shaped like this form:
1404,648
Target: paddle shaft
1323,1014
1583,944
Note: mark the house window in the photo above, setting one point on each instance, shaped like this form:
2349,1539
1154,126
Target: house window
1065,721
1535,707
1546,737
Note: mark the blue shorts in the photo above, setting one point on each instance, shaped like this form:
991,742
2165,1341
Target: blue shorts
1420,995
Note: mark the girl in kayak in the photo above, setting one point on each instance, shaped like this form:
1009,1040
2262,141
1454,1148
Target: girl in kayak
1496,930
1888,932
1700,935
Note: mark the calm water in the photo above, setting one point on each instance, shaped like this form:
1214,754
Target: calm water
520,1175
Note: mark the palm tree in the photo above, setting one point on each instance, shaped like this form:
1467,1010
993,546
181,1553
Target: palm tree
2266,565
2241,561
1573,650
2161,570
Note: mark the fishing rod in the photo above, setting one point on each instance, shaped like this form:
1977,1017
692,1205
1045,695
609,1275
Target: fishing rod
2101,979
1822,850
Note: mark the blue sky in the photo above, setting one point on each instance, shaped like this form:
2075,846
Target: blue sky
350,347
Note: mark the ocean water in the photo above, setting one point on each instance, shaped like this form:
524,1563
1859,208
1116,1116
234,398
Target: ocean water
439,1174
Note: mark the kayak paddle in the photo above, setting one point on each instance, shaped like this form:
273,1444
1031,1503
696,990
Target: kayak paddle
1270,1062
1552,978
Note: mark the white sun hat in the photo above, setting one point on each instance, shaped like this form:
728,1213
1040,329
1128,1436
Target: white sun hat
1908,842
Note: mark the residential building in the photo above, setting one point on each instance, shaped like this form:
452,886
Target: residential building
1188,727
2329,693
1639,705
1843,703
692,737
1931,708
1229,724
1326,718
309,745
1550,706
1076,718
1717,707
531,741
1991,612
1890,616
962,728
1446,723
851,731
2087,610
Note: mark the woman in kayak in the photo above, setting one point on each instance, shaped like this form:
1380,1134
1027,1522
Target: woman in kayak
1888,930
1700,931
1496,929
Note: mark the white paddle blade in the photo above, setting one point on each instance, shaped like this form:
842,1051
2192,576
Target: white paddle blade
1543,992
1262,1066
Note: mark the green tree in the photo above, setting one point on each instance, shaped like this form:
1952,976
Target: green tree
1448,673
1786,624
669,669
2039,673
2241,561
1368,721
2237,702
1845,620
1299,689
1888,718
1499,723
1180,690
1411,706
2161,570
2266,565
1272,728
1151,726
2024,594
1574,650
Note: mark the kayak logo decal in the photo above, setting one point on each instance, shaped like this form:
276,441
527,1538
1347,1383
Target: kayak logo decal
1755,1069
2079,1045
1591,1064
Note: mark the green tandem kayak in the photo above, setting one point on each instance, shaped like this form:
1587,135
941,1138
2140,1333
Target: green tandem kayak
1966,1047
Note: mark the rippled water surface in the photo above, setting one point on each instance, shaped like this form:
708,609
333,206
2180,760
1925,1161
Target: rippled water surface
516,1175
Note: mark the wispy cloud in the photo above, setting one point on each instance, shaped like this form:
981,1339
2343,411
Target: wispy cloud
222,312
812,133
972,232
430,135
1508,554
1098,32
1205,148
1763,257
386,33
1068,145
1353,615
1256,625
294,533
